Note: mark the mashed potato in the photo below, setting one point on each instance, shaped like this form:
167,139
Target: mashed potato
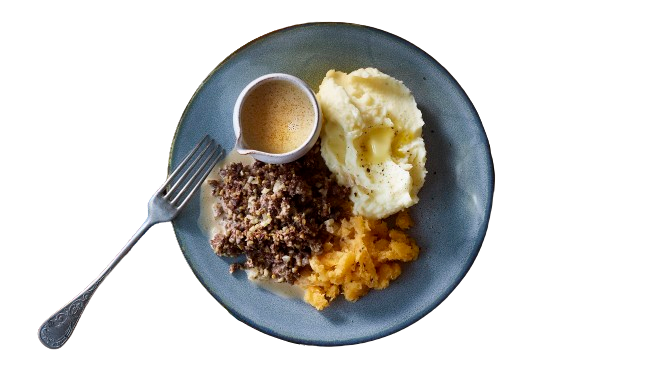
371,140
364,254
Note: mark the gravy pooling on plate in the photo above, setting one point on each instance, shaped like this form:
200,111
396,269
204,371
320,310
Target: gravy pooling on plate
211,226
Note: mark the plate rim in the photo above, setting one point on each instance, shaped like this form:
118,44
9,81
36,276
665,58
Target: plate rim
479,240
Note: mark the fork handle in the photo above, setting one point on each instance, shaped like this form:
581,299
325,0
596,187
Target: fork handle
57,329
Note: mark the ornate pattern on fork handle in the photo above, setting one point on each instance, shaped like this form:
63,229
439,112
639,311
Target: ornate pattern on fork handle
164,205
57,330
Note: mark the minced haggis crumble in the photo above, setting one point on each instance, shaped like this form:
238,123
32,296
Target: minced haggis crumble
277,215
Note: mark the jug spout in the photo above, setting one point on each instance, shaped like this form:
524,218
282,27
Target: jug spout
240,147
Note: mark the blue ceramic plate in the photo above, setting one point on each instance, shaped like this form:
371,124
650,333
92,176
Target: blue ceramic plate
451,217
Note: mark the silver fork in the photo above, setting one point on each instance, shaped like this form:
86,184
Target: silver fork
163,206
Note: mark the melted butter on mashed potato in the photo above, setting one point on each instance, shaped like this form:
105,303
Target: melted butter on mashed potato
371,140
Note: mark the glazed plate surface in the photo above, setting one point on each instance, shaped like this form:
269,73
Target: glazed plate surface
455,202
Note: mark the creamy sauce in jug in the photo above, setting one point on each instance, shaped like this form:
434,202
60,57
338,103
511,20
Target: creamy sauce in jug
276,117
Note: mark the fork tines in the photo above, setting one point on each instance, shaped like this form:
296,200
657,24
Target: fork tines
191,172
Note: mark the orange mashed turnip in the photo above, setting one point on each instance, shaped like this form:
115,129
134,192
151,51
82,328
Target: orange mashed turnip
363,254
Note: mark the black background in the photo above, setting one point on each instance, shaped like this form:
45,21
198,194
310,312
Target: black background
112,103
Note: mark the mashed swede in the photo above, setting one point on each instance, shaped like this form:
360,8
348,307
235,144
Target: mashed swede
364,254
